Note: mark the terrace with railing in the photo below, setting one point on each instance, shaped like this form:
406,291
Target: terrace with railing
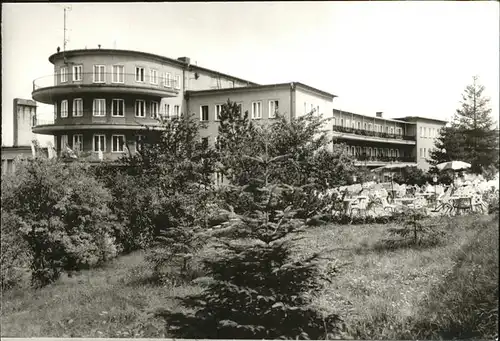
59,84
370,133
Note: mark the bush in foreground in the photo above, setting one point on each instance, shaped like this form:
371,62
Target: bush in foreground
61,213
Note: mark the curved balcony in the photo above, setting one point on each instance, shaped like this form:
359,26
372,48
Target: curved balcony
49,88
87,121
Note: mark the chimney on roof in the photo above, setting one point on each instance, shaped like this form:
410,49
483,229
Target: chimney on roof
185,60
378,114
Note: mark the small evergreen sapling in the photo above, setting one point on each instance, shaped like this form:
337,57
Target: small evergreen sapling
256,288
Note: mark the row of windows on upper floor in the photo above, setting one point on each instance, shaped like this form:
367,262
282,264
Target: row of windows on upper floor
425,152
118,75
367,126
428,132
256,110
99,106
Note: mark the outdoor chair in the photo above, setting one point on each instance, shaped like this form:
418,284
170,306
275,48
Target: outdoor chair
443,203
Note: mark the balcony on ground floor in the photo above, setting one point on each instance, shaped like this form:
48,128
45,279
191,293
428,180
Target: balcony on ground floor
373,136
48,88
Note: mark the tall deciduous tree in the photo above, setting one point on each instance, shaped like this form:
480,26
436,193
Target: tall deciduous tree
471,137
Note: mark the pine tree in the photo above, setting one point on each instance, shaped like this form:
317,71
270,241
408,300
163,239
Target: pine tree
471,136
256,289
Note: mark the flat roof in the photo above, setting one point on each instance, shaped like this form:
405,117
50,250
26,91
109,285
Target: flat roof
398,120
263,87
415,118
143,54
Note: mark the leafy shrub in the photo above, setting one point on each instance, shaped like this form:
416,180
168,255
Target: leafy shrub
14,252
63,216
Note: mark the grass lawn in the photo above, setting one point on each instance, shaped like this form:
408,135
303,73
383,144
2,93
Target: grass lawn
379,292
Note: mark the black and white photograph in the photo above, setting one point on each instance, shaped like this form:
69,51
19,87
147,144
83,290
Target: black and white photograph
250,170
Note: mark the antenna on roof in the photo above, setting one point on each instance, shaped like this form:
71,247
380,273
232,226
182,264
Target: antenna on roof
66,8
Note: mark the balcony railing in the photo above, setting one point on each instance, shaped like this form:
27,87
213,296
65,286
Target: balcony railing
104,78
372,133
89,116
43,122
384,158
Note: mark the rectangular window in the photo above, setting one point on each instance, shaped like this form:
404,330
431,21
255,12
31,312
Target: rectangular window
167,110
273,108
118,74
64,74
369,126
421,132
99,107
176,110
365,126
55,110
425,131
256,110
139,140
117,143
347,123
139,74
305,108
99,71
421,152
218,110
64,108
140,108
99,143
397,152
153,109
118,108
204,113
153,76
64,142
341,122
359,125
168,80
391,130
77,73
425,152
77,107
78,142
353,125
177,81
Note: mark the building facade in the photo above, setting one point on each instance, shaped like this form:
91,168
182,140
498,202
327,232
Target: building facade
375,141
106,100
23,122
426,133
262,102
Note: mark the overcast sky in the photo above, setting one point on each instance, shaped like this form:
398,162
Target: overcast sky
402,58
